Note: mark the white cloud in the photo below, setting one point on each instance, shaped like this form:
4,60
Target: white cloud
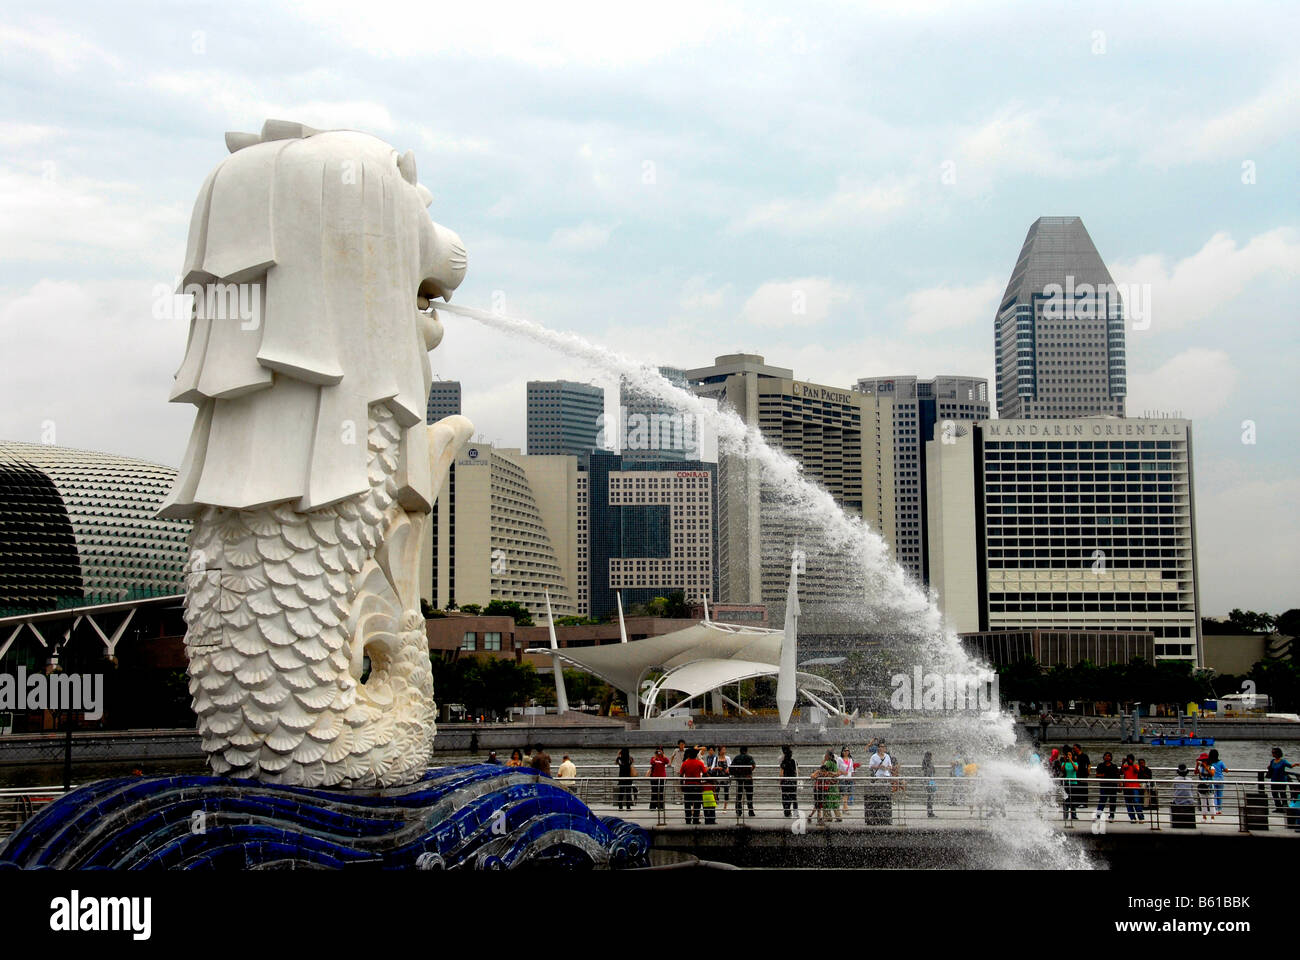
75,220
1255,123
241,105
67,51
948,308
804,302
1196,383
701,293
584,237
1248,534
585,33
852,203
1021,140
107,369
1199,286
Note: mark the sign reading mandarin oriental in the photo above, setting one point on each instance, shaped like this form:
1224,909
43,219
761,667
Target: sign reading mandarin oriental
1117,428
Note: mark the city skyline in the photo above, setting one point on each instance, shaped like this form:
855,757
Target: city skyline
679,227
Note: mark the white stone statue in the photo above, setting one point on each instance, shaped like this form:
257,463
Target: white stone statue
310,472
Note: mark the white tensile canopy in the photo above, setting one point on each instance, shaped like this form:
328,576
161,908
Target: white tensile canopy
696,660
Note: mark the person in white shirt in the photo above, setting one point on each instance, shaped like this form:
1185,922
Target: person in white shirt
847,765
881,764
568,772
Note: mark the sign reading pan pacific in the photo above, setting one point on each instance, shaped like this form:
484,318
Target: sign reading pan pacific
1107,428
814,392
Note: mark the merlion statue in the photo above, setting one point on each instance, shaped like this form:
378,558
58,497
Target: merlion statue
310,472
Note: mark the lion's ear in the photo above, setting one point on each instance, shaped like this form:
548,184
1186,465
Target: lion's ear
406,164
238,141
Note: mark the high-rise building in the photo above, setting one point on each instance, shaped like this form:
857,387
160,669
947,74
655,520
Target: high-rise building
917,406
652,530
444,400
841,441
564,418
1059,330
507,527
1058,525
655,431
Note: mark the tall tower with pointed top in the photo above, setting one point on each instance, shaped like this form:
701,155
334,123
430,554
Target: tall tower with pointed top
1059,330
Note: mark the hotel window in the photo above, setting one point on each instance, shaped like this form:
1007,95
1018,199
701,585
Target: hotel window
467,642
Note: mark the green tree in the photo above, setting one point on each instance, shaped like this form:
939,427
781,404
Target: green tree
473,609
510,608
1248,621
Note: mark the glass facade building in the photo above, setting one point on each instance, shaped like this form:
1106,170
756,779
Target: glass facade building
564,418
650,530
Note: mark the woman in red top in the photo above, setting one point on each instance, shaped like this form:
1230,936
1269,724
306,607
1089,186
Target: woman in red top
658,774
1128,772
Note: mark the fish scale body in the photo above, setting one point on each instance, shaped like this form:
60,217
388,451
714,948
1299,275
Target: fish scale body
274,652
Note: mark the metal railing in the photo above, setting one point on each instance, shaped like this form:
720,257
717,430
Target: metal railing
941,802
17,804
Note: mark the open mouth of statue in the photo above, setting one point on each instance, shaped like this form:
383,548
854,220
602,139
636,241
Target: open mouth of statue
428,292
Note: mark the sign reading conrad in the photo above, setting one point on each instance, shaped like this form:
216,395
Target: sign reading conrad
1085,428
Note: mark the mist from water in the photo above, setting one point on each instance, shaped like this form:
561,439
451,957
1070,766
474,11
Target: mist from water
890,600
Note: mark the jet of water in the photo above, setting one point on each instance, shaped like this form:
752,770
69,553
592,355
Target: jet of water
888,593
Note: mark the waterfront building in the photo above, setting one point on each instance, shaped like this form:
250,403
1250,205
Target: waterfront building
1059,329
655,431
507,528
444,400
842,441
564,418
917,405
1081,524
651,530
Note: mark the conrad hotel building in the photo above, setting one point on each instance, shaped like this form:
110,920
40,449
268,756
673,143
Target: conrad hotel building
1081,524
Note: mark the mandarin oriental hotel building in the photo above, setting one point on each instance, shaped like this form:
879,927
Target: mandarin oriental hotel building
1084,524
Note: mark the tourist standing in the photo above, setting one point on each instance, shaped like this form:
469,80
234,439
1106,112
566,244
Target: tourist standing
956,771
1277,775
931,788
658,777
516,759
1081,786
1220,769
1132,788
568,773
542,760
1107,785
826,790
693,772
1204,786
1069,783
789,782
723,763
626,771
847,765
675,766
742,771
1147,795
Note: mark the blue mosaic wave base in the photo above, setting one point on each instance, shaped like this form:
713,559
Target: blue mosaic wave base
478,816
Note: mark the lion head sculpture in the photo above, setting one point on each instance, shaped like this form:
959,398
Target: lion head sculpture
326,234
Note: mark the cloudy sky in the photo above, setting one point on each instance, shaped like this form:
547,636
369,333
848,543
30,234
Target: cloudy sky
664,178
